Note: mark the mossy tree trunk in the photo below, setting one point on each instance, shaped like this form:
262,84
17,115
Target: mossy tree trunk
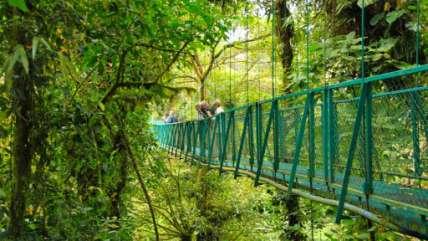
285,32
22,93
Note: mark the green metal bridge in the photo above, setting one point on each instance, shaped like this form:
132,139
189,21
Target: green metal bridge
361,145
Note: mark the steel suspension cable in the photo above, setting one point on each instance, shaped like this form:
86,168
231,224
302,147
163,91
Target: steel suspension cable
258,69
363,32
307,13
307,38
367,126
273,48
414,102
230,75
418,26
247,34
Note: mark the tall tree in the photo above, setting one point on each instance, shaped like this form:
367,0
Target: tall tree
284,31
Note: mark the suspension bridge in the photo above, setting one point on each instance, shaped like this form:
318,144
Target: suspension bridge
367,154
360,145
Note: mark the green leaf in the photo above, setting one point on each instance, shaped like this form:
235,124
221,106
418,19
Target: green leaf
36,41
363,236
391,17
34,47
377,57
376,18
386,45
22,57
3,131
2,194
365,3
20,4
101,106
18,55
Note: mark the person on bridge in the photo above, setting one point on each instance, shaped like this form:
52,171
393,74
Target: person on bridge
203,110
165,116
216,108
171,117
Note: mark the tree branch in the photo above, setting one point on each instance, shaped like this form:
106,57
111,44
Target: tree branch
174,59
142,184
151,46
119,77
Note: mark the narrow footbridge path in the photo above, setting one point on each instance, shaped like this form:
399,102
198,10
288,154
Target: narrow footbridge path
361,145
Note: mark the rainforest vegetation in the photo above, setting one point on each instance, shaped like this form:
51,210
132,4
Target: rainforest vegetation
81,81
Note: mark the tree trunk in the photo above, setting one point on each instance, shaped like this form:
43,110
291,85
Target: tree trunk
202,90
22,95
186,238
284,32
116,193
207,236
292,219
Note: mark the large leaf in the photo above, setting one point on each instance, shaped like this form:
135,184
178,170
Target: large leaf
22,57
18,55
391,17
376,18
366,3
36,41
20,4
386,45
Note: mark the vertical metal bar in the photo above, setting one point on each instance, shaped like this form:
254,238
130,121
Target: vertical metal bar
211,145
200,137
186,139
207,138
276,133
311,133
195,136
281,135
298,146
264,143
171,139
325,137
190,138
351,152
251,136
183,139
242,141
225,140
368,187
217,133
221,127
415,136
204,134
332,133
233,141
177,139
259,126
179,135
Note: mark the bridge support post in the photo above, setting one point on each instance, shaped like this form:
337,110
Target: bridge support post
357,126
242,141
226,138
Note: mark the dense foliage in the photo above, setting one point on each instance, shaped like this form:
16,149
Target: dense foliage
81,79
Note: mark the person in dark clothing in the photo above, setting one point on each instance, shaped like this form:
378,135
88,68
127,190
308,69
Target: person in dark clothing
171,118
203,110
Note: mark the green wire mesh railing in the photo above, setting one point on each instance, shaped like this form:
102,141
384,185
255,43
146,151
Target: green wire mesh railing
359,142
